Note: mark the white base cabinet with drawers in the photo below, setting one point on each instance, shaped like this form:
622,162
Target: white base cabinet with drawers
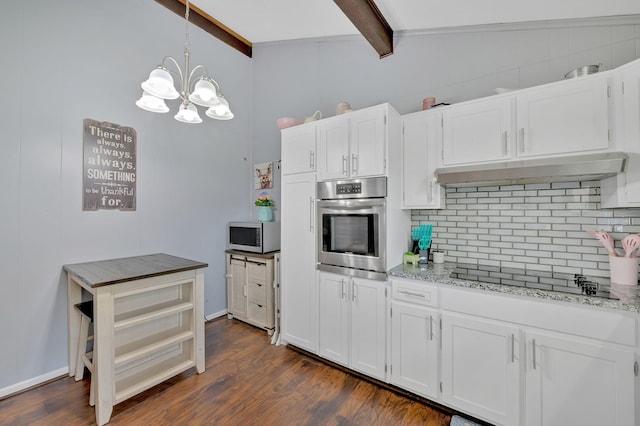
250,292
353,323
415,339
513,360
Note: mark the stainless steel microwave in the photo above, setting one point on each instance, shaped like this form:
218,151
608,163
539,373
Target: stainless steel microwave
256,237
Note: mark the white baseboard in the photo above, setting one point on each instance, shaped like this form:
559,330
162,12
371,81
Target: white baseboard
9,390
215,315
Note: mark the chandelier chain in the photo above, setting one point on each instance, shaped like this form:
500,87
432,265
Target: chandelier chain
186,25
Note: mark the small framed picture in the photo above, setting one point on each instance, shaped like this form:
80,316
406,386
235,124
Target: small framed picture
264,175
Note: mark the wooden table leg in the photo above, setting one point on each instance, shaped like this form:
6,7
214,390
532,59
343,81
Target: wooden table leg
74,296
103,344
199,320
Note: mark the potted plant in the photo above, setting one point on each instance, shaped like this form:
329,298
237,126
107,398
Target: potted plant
265,204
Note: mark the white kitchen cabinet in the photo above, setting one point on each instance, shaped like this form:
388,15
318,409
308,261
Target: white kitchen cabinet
579,382
250,293
421,147
566,117
333,148
580,353
299,149
335,309
478,131
623,190
353,144
481,367
353,323
415,337
299,291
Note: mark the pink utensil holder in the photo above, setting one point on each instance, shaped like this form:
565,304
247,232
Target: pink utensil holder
624,270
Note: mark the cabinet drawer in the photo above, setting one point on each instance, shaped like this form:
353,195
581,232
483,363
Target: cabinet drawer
258,313
257,272
257,292
418,292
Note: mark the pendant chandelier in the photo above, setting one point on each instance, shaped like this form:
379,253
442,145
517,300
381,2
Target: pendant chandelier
194,89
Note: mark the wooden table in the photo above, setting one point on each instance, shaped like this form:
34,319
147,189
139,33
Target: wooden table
148,322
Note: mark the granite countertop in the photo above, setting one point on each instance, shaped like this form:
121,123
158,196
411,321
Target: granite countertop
629,297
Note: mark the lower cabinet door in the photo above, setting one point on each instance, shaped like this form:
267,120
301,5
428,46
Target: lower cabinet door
368,327
238,288
415,348
577,382
481,368
334,310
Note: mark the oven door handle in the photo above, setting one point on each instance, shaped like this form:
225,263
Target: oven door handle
352,204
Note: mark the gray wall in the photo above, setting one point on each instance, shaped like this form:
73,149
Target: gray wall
296,78
61,62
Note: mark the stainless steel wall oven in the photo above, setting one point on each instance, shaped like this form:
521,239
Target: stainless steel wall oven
352,227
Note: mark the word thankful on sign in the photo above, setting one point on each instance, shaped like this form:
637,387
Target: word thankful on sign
109,175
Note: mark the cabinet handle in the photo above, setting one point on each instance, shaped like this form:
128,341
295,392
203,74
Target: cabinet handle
521,141
310,214
312,158
409,293
343,294
430,327
244,290
513,348
505,138
533,347
430,193
345,164
354,164
353,291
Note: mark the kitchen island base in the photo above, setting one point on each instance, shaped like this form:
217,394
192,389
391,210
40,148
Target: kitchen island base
148,323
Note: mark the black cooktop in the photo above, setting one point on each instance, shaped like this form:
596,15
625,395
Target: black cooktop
542,280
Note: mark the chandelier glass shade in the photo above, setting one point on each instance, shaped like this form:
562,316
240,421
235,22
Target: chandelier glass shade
196,88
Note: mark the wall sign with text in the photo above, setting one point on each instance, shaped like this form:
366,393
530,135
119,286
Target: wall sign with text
109,175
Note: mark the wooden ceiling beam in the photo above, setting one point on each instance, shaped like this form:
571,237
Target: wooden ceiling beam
368,19
202,20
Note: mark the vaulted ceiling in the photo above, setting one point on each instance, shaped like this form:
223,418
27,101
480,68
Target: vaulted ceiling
260,21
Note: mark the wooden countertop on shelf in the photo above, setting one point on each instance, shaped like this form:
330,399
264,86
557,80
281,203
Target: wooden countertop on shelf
114,271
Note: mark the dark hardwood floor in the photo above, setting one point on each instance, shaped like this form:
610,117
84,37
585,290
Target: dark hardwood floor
247,381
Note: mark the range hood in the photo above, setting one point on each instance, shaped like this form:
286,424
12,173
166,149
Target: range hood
568,168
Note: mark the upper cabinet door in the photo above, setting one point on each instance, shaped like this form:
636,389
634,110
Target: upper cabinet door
478,131
567,117
333,149
421,155
299,149
353,145
368,143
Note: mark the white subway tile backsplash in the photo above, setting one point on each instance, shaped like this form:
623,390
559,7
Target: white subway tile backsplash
540,227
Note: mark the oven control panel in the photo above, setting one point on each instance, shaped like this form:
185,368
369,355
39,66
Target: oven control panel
375,187
349,188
